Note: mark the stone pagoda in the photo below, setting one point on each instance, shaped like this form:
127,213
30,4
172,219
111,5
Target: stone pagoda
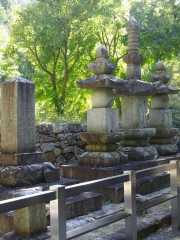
102,134
134,103
160,117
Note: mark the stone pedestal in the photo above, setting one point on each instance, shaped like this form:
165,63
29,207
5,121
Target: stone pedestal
102,120
136,144
30,221
160,117
134,109
20,164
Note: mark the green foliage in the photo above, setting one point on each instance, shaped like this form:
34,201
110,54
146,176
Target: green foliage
53,40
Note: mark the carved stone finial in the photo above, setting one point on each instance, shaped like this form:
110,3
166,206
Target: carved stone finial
132,28
160,74
102,52
132,58
102,64
159,66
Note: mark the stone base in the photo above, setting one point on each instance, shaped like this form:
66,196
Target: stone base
166,149
13,236
144,186
17,176
102,159
80,205
6,222
85,173
140,153
19,159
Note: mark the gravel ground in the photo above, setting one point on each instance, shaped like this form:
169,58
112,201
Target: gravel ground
165,234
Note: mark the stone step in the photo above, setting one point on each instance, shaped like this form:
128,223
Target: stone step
75,206
146,185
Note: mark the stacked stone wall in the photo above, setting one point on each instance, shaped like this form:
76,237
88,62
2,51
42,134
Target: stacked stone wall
60,142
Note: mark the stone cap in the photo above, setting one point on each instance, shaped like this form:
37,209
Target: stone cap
135,87
100,81
164,88
18,79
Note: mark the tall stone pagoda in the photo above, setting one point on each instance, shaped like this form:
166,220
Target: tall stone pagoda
134,103
160,117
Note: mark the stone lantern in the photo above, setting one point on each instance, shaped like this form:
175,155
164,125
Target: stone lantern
160,117
102,134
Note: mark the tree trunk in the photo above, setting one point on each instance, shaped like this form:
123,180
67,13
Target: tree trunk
56,98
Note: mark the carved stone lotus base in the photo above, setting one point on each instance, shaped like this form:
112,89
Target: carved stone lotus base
102,138
102,159
140,153
163,141
166,149
138,133
17,176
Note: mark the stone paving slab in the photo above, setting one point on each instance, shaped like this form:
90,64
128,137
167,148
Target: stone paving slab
155,218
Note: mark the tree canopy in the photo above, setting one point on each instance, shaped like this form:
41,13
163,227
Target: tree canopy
51,41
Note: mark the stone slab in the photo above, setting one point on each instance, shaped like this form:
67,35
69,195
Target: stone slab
140,153
134,111
18,176
84,173
144,186
80,205
103,120
14,236
161,119
7,193
18,116
19,159
103,159
75,206
135,87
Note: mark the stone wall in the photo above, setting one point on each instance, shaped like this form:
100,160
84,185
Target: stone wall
60,142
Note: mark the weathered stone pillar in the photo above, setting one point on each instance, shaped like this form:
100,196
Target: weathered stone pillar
102,134
160,117
30,221
134,103
20,164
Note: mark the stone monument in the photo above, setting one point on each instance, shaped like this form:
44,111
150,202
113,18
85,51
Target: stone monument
20,164
102,134
160,117
134,103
